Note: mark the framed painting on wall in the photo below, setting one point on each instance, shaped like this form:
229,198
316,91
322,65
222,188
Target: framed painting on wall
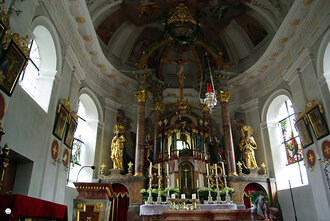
12,64
304,133
62,118
70,133
319,125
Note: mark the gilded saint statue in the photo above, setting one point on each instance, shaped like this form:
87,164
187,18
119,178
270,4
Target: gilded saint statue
247,147
117,147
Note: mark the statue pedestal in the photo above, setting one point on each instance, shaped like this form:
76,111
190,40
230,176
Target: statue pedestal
132,183
92,201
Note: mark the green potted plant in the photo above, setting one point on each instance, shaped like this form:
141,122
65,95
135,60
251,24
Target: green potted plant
144,194
231,192
203,194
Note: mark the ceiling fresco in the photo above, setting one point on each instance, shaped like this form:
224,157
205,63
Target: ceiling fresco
230,29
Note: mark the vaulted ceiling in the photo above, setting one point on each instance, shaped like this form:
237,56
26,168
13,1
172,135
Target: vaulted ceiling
239,30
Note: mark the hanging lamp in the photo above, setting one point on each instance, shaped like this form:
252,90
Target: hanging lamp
210,96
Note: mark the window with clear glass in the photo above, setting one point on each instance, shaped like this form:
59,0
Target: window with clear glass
29,77
291,140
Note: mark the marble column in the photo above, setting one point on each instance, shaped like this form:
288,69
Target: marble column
141,97
224,96
158,106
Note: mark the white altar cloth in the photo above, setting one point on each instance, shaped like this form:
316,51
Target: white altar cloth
157,209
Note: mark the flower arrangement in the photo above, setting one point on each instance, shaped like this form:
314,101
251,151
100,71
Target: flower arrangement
261,204
204,193
154,193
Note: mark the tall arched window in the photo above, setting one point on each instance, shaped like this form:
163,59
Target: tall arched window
285,144
38,78
84,142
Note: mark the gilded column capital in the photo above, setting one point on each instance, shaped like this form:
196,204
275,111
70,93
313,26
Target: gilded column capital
158,105
223,96
141,95
203,107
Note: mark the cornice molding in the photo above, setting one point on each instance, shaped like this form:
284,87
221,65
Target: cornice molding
251,105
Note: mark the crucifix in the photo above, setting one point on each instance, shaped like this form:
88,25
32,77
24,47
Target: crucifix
186,177
180,62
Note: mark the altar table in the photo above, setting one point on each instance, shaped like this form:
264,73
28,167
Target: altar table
27,207
157,209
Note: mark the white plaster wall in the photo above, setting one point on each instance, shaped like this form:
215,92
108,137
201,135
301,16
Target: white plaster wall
302,197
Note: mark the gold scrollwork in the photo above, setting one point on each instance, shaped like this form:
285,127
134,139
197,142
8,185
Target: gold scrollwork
141,96
158,105
223,96
311,104
21,42
4,16
203,107
182,14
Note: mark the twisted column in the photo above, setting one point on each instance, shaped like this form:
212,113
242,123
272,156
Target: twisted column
158,106
141,97
224,96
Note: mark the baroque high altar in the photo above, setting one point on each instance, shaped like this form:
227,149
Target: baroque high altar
184,147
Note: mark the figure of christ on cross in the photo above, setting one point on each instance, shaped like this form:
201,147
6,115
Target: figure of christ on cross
185,178
180,63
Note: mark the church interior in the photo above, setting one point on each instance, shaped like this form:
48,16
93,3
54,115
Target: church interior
165,110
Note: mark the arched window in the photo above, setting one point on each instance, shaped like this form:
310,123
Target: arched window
38,77
285,144
83,149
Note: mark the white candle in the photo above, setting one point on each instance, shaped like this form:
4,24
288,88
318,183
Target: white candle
159,169
173,196
207,169
150,169
216,169
167,169
183,196
223,168
193,196
177,182
197,184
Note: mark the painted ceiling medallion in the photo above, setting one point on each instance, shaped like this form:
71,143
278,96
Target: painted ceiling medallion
93,53
274,54
112,75
263,66
100,65
80,20
308,2
283,40
87,37
294,22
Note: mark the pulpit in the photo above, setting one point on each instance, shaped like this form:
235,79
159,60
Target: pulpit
93,202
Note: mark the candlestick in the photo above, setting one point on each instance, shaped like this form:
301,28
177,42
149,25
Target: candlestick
208,86
207,169
177,183
167,169
150,168
183,196
159,169
172,196
193,196
216,169
223,169
197,184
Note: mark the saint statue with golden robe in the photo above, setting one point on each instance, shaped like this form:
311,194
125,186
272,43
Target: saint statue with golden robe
117,147
247,147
